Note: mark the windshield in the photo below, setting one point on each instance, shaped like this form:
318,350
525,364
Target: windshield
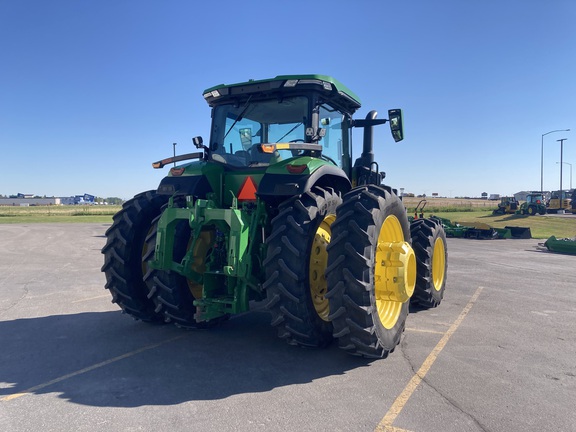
238,129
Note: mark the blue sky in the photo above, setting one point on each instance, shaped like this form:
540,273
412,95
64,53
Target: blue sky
92,92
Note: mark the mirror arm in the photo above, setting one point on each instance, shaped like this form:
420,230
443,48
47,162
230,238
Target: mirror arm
368,122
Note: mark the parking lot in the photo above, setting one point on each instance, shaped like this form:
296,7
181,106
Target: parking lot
499,353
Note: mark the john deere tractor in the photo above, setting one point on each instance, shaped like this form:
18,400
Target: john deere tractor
534,204
274,208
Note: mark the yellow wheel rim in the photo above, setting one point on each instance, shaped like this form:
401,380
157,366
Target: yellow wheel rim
438,264
394,272
317,267
201,248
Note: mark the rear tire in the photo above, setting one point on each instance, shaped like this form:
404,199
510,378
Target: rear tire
171,292
429,244
371,272
531,210
123,252
295,264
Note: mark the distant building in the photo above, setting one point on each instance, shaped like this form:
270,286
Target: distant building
29,201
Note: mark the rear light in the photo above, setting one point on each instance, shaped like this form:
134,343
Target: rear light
268,148
176,171
296,169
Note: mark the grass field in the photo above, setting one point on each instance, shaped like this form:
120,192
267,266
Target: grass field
60,214
456,210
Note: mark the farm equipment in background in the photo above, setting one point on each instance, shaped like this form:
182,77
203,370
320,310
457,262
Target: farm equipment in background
273,208
418,211
534,204
561,245
559,201
507,205
482,231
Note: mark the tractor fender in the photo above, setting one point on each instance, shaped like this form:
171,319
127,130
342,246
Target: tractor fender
196,185
275,188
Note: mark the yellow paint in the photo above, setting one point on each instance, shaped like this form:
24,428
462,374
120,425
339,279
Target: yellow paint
415,330
386,422
318,262
438,264
394,272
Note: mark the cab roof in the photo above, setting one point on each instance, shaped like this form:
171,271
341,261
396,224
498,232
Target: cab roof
329,87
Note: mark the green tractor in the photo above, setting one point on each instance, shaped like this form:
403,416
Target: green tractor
534,204
274,209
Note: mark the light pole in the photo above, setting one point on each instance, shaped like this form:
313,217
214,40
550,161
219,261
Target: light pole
561,141
542,158
570,172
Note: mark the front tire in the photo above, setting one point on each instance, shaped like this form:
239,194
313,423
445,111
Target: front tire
123,252
429,244
371,272
295,264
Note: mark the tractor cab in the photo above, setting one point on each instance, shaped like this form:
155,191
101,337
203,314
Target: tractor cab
259,123
276,138
534,199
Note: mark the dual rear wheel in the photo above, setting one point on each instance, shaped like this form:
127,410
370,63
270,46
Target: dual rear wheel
144,293
347,269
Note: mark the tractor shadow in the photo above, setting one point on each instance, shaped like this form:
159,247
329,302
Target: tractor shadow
506,218
107,359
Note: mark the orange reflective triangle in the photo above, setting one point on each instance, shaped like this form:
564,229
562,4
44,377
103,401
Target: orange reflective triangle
247,190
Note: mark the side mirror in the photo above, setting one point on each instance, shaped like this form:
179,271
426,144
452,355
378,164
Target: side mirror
396,127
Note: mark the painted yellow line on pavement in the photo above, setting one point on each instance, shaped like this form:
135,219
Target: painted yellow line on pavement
385,424
87,369
395,429
415,330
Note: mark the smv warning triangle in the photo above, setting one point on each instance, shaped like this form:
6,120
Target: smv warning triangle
247,190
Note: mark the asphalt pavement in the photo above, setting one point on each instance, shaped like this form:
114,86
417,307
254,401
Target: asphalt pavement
499,353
